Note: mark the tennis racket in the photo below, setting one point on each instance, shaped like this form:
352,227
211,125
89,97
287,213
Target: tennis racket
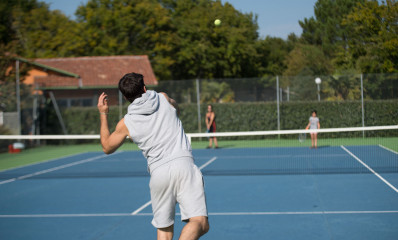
302,137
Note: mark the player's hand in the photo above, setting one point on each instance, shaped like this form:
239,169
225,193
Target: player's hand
306,128
103,103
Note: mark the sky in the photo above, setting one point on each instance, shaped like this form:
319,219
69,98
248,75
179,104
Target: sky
275,18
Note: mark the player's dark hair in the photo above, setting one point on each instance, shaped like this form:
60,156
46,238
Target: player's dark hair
314,111
132,86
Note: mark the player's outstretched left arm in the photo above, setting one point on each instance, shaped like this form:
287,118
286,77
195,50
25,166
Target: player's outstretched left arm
172,102
110,142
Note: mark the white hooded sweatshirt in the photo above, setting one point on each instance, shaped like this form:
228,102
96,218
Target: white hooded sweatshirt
154,126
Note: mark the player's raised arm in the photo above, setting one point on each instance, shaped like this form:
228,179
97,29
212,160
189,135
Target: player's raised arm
110,142
172,102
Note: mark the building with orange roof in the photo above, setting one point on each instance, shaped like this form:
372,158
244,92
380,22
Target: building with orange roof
78,81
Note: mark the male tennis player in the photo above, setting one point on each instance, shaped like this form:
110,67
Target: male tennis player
153,124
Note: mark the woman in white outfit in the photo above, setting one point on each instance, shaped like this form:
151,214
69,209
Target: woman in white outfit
313,124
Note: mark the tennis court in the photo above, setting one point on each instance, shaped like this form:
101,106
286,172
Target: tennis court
286,192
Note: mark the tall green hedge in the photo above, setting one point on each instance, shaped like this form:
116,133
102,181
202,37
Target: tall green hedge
246,116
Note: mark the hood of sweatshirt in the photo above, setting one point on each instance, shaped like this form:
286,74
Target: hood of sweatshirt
147,104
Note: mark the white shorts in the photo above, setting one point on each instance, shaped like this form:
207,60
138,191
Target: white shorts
180,181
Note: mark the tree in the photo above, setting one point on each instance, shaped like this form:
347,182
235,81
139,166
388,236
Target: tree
272,53
128,27
204,50
307,60
8,78
7,9
43,33
373,31
216,92
326,29
303,63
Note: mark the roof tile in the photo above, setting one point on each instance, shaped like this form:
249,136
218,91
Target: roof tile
95,71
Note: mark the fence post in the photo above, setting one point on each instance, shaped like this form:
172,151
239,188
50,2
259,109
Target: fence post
120,105
198,104
363,108
277,101
18,95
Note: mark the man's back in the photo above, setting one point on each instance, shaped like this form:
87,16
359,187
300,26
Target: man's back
154,126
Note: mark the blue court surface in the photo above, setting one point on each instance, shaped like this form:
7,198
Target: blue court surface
342,192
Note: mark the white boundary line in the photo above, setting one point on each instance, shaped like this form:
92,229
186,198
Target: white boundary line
370,169
210,214
37,163
207,163
141,208
388,149
136,212
54,169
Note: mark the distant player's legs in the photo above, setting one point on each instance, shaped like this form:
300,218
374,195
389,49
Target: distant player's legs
166,233
312,140
195,228
210,142
215,142
316,139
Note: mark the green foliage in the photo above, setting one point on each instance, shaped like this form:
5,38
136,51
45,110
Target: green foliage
179,36
4,143
248,116
7,8
307,60
8,79
342,87
272,54
128,27
326,29
40,32
208,51
373,31
216,92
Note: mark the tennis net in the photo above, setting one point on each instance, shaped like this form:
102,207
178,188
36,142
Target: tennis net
341,150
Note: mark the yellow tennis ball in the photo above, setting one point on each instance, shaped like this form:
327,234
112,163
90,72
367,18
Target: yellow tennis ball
217,22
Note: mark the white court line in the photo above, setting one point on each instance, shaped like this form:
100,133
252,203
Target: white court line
210,214
46,161
370,169
141,208
207,163
136,212
55,168
288,156
388,149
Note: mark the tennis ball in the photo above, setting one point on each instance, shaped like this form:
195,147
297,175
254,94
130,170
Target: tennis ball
217,22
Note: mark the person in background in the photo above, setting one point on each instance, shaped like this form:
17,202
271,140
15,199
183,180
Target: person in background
313,124
211,125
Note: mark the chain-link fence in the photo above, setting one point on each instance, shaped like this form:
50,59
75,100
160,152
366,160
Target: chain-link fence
245,104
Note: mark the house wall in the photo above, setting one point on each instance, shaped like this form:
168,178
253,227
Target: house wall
30,78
